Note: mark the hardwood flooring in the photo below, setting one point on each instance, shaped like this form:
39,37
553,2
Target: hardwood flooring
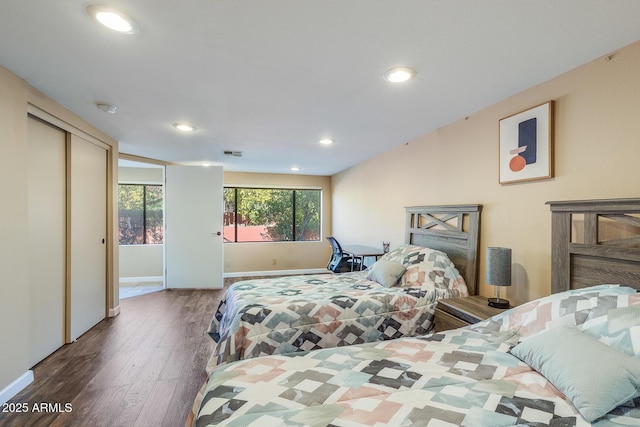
140,368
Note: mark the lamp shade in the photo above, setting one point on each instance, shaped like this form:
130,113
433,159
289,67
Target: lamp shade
499,266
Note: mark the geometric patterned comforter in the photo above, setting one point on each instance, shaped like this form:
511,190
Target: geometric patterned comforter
299,313
464,377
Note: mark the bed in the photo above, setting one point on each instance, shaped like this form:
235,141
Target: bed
525,366
396,297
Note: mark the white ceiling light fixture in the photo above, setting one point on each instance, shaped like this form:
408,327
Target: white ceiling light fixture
184,127
113,19
399,74
325,141
295,168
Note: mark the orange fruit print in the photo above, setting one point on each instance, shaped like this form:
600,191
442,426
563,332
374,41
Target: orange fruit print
517,163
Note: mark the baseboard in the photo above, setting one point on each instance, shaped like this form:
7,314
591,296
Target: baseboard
277,272
16,387
141,279
113,312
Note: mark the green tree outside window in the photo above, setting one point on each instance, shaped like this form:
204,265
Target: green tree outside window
140,216
271,215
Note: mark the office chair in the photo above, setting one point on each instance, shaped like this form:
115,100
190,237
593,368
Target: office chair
341,262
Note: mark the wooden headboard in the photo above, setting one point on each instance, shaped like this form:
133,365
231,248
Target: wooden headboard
595,242
452,229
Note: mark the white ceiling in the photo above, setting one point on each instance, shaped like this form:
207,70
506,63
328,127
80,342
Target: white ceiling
269,78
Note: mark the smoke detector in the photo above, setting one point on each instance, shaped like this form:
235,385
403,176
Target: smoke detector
232,153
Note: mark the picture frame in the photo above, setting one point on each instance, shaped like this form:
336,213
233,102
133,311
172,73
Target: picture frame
525,150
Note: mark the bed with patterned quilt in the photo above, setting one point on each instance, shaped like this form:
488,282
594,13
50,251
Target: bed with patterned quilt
396,297
568,359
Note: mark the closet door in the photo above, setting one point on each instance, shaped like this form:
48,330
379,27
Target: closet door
46,238
88,181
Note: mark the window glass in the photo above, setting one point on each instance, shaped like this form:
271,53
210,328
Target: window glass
307,217
154,230
229,226
140,218
271,215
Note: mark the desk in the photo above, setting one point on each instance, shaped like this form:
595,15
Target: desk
361,251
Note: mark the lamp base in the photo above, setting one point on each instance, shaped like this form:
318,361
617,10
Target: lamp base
498,303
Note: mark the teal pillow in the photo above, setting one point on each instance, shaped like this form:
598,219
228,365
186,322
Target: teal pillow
595,377
385,272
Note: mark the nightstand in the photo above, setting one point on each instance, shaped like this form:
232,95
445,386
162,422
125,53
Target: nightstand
458,312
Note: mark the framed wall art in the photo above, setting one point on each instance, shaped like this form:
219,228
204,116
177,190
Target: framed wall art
526,145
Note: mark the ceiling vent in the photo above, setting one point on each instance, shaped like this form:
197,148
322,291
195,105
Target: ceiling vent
232,153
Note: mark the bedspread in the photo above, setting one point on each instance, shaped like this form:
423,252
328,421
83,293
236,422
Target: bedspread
464,377
298,313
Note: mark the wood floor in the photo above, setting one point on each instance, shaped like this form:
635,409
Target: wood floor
140,368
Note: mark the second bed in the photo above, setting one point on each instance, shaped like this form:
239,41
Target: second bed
394,298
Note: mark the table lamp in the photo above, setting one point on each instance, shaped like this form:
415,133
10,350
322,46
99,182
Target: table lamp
498,273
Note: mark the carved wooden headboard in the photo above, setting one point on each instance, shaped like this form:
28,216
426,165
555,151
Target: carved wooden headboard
452,229
595,242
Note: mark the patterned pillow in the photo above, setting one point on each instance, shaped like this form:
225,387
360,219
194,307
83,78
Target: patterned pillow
432,269
573,308
619,327
401,252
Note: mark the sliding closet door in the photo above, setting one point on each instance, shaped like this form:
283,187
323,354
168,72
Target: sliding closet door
47,238
88,163
193,226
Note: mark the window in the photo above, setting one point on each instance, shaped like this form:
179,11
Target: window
140,214
271,215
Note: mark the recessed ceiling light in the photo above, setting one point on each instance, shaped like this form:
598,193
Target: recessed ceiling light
399,74
326,141
113,19
184,127
295,168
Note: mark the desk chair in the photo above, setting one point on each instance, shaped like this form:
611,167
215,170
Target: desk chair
341,262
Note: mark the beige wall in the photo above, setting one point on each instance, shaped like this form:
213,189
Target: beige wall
15,97
138,261
14,285
597,156
144,175
258,257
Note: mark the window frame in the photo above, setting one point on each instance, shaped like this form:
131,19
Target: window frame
144,212
293,222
